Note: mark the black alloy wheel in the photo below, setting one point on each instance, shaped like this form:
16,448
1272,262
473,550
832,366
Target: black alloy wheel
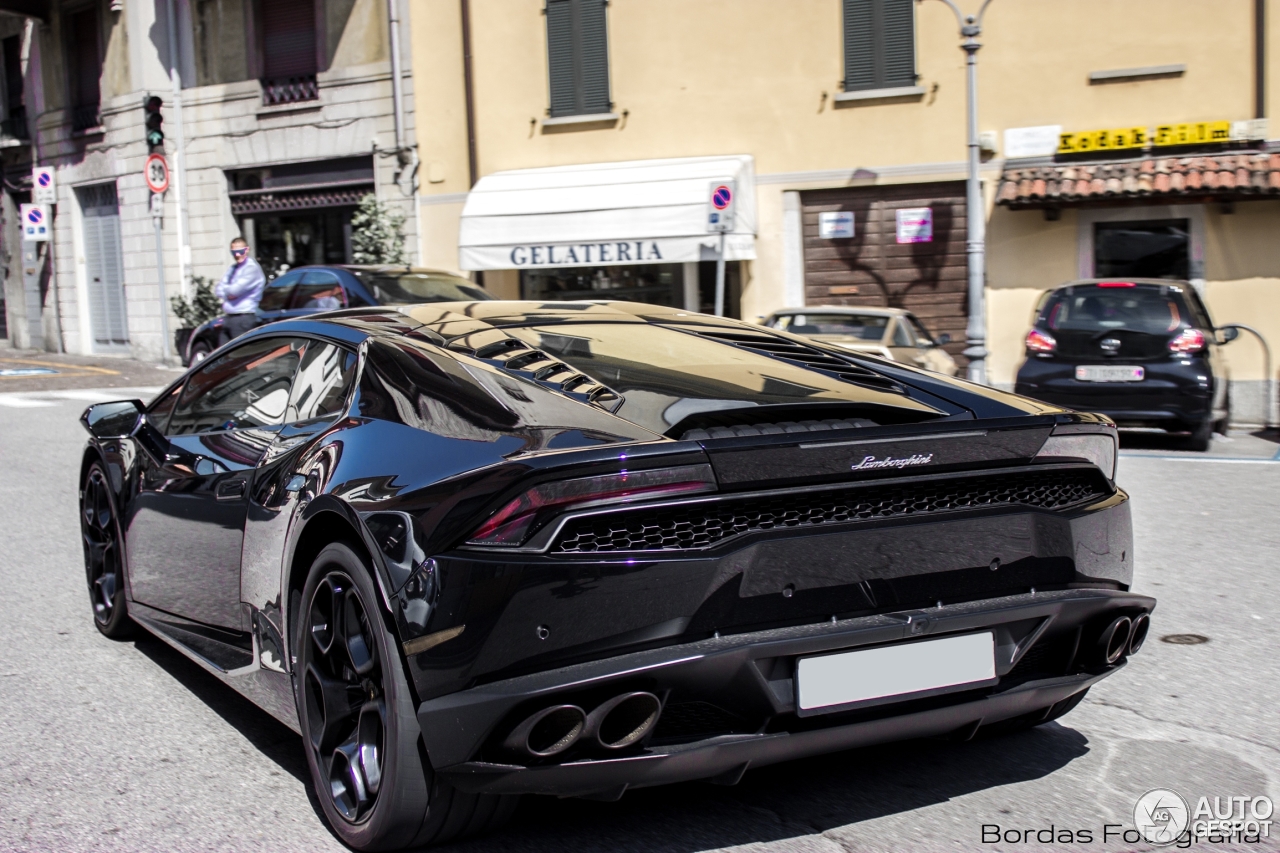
103,565
346,700
359,722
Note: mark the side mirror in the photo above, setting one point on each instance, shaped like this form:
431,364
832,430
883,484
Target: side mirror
112,421
1229,334
944,338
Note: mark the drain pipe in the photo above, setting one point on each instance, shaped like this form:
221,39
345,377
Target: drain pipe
1270,417
397,90
179,157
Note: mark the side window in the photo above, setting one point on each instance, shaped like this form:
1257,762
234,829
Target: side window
162,407
275,297
578,57
323,382
923,338
246,387
879,44
319,291
901,334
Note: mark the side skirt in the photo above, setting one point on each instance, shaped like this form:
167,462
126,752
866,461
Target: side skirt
235,658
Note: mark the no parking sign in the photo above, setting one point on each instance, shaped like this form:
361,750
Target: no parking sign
35,222
720,206
44,188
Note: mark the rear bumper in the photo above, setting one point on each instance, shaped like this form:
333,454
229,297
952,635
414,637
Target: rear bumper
752,674
1170,393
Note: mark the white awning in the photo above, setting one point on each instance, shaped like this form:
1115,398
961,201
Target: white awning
642,211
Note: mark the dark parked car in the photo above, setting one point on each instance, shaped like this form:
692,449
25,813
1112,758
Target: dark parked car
311,290
1143,352
474,550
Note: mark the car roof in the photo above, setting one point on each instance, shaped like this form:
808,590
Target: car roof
842,309
1164,282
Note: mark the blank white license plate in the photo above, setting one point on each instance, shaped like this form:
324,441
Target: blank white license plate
1110,373
831,681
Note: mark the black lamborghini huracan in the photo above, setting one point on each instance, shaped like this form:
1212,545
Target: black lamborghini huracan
474,550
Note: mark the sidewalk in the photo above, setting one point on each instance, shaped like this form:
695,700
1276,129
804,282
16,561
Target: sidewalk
31,370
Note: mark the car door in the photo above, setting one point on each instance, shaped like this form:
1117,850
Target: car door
186,523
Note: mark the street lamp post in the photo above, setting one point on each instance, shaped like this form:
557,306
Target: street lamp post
975,209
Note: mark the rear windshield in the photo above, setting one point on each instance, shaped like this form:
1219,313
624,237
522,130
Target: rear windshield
1153,309
410,288
864,327
667,375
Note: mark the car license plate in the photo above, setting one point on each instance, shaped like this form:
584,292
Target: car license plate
1110,373
873,676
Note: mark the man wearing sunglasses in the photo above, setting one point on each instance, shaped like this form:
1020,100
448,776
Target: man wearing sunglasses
240,290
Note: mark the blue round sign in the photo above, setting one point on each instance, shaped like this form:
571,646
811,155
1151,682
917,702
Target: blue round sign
721,197
34,216
45,179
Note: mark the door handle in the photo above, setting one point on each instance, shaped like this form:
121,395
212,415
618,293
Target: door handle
229,490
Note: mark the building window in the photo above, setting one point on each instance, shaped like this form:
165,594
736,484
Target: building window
578,57
1150,249
13,117
879,44
289,61
84,68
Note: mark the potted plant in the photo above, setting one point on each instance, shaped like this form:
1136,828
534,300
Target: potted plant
202,307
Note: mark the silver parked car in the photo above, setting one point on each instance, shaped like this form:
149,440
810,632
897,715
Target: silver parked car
890,333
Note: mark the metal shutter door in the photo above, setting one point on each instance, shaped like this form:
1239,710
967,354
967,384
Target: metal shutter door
859,46
898,40
108,317
288,38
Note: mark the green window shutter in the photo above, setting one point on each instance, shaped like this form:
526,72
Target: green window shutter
577,57
899,41
879,44
859,45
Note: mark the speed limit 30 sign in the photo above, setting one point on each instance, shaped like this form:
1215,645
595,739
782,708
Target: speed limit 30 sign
156,173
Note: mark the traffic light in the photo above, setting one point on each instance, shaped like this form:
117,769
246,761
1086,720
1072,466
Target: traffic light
155,131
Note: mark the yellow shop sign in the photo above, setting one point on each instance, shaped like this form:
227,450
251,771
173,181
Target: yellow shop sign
1121,138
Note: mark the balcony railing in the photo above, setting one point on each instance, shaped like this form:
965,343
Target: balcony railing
289,90
85,117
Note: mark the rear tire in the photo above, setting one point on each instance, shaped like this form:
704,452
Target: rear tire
364,748
1200,439
103,555
199,352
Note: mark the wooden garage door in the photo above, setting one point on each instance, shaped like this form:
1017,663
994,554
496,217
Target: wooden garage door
873,268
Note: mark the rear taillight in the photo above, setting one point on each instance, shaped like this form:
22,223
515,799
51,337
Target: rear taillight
511,524
1098,448
1038,341
1116,284
1188,340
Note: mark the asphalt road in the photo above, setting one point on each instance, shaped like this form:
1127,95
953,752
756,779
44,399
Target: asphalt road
127,746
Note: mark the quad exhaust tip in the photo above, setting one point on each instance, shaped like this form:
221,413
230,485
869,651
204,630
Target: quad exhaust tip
547,732
623,720
1138,633
1114,642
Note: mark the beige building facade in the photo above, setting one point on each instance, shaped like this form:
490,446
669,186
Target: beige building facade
574,123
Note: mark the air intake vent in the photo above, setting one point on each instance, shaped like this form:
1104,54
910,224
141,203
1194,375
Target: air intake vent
805,356
515,356
702,525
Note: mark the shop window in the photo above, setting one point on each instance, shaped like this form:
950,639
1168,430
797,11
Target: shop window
577,57
289,60
879,44
84,68
656,284
1153,249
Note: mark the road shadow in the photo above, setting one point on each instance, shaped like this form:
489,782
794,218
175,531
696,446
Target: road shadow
267,734
787,800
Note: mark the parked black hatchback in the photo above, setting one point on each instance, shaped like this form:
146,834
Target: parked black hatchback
1142,351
